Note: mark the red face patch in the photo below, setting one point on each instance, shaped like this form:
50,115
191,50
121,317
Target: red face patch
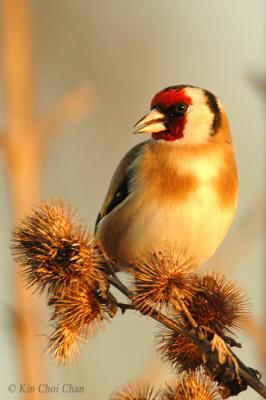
175,130
168,98
175,126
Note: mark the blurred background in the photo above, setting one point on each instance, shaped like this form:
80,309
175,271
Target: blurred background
75,76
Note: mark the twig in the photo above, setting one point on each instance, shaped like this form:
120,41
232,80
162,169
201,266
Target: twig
252,382
124,306
244,372
185,310
118,284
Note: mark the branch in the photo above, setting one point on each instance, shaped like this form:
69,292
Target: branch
245,373
119,285
253,382
85,257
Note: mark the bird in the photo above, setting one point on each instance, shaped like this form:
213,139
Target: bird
176,189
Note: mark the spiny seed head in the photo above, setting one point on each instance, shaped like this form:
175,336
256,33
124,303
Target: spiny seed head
179,350
53,248
218,304
135,391
78,307
162,278
63,343
191,386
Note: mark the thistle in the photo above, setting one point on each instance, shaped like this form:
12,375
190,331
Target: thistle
218,304
55,253
63,343
135,391
52,249
191,386
161,279
179,350
79,308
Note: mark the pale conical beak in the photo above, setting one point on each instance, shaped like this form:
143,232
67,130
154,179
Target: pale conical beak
151,123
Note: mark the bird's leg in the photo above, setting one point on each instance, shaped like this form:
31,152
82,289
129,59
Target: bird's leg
108,263
110,273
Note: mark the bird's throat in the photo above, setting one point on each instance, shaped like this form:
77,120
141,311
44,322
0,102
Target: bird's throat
175,130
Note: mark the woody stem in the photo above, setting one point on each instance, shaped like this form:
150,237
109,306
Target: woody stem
185,309
204,345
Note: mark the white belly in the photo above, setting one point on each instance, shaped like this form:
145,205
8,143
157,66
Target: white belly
196,226
195,222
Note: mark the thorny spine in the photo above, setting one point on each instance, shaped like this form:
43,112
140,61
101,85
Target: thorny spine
55,252
245,373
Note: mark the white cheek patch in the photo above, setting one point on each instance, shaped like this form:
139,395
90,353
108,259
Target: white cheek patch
198,125
199,118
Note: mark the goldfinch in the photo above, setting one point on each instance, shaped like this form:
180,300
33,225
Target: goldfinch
178,188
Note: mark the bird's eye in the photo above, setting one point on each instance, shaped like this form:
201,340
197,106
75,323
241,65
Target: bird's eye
181,107
177,110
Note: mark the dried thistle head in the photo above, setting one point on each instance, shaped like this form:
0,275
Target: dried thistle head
191,386
162,278
52,248
135,391
218,304
63,343
179,350
79,308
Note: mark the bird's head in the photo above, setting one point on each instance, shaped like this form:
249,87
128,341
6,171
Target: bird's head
182,113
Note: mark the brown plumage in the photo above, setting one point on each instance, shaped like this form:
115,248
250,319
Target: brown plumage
179,188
